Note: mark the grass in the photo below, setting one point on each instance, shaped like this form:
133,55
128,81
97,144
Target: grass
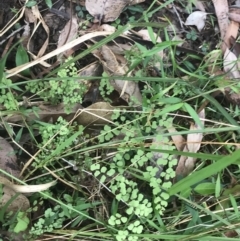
116,180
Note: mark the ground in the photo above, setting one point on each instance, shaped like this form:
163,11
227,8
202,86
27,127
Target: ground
119,121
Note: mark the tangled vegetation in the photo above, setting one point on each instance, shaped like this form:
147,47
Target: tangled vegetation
137,144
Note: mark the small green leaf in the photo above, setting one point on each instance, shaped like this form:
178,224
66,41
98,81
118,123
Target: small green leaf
118,222
205,188
103,169
131,226
123,219
95,166
97,173
111,221
139,229
22,58
30,4
49,3
164,195
129,211
68,198
102,179
22,222
111,172
78,8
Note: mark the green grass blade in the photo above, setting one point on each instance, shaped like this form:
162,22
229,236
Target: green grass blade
222,110
194,115
105,41
204,173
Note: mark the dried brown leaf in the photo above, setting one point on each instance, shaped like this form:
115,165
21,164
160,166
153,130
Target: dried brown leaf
199,5
178,140
26,35
119,48
19,203
45,113
8,163
182,169
232,31
235,17
72,44
235,46
38,15
230,64
94,69
221,9
186,164
234,10
98,113
107,27
113,67
107,10
194,140
111,64
68,34
198,19
233,97
29,16
8,159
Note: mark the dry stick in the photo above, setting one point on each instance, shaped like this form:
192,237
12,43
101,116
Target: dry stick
26,188
55,52
6,28
66,40
7,46
179,18
221,9
69,30
11,35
